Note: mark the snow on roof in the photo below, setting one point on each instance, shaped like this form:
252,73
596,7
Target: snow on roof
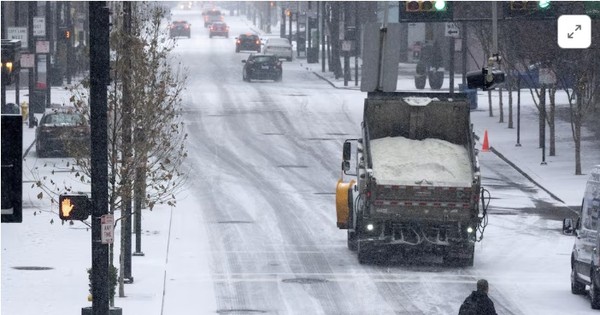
402,161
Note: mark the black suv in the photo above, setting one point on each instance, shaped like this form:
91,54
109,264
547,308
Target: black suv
247,42
262,67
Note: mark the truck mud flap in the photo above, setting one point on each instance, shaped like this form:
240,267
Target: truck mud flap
342,207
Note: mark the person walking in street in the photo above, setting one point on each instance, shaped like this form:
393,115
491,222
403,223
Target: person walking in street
478,303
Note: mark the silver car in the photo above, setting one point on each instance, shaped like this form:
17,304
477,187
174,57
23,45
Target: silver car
279,47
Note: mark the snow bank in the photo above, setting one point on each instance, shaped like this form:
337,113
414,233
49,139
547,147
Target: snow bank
402,161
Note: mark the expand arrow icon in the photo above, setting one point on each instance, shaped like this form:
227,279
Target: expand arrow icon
570,35
578,28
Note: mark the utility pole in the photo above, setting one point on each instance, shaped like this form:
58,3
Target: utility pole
69,41
99,79
31,8
321,4
127,154
49,38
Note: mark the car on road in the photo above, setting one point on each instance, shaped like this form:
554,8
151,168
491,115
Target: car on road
218,29
585,256
247,42
180,29
62,130
262,67
279,47
212,16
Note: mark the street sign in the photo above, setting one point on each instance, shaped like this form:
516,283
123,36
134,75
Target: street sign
42,47
452,30
39,26
107,226
27,60
346,45
18,33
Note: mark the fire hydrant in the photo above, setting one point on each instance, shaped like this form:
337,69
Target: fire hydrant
25,111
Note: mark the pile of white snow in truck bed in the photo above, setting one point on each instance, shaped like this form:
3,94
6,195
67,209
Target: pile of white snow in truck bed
402,161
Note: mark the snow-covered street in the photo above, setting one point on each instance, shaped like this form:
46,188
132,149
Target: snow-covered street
254,231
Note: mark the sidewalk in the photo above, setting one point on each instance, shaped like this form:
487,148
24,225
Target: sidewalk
555,177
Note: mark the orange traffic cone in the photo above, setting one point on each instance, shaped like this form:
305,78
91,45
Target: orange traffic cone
486,144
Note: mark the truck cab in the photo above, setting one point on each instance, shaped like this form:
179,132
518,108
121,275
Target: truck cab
585,256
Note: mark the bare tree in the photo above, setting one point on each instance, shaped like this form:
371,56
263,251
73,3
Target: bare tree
156,83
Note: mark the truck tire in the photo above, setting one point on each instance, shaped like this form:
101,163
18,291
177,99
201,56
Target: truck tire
352,241
364,252
594,291
576,286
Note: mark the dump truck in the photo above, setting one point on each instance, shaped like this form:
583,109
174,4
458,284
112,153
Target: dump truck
416,185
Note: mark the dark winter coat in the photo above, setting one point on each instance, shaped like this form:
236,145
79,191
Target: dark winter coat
485,306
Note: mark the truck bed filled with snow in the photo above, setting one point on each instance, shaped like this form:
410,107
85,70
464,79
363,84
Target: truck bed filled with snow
428,162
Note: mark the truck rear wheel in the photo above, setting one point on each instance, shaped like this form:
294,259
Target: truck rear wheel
576,286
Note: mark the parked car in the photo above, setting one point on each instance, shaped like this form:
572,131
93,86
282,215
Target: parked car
279,47
180,28
585,256
211,16
62,130
218,29
247,42
262,67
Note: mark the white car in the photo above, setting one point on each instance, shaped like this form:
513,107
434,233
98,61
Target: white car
279,47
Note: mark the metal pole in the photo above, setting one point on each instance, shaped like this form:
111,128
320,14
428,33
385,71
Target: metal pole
356,41
495,26
99,79
543,123
49,39
518,112
451,72
322,33
18,74
138,191
31,8
127,101
464,53
69,42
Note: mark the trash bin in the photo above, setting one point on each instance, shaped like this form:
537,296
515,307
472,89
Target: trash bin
471,95
37,101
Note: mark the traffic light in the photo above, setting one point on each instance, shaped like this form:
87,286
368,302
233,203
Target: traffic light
486,79
11,57
12,168
74,207
65,34
543,9
425,11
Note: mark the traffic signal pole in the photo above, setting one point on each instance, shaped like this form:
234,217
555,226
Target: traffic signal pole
99,79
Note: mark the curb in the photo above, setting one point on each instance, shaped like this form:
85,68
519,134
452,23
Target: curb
500,155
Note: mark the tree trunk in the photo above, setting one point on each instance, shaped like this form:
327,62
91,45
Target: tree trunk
542,117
